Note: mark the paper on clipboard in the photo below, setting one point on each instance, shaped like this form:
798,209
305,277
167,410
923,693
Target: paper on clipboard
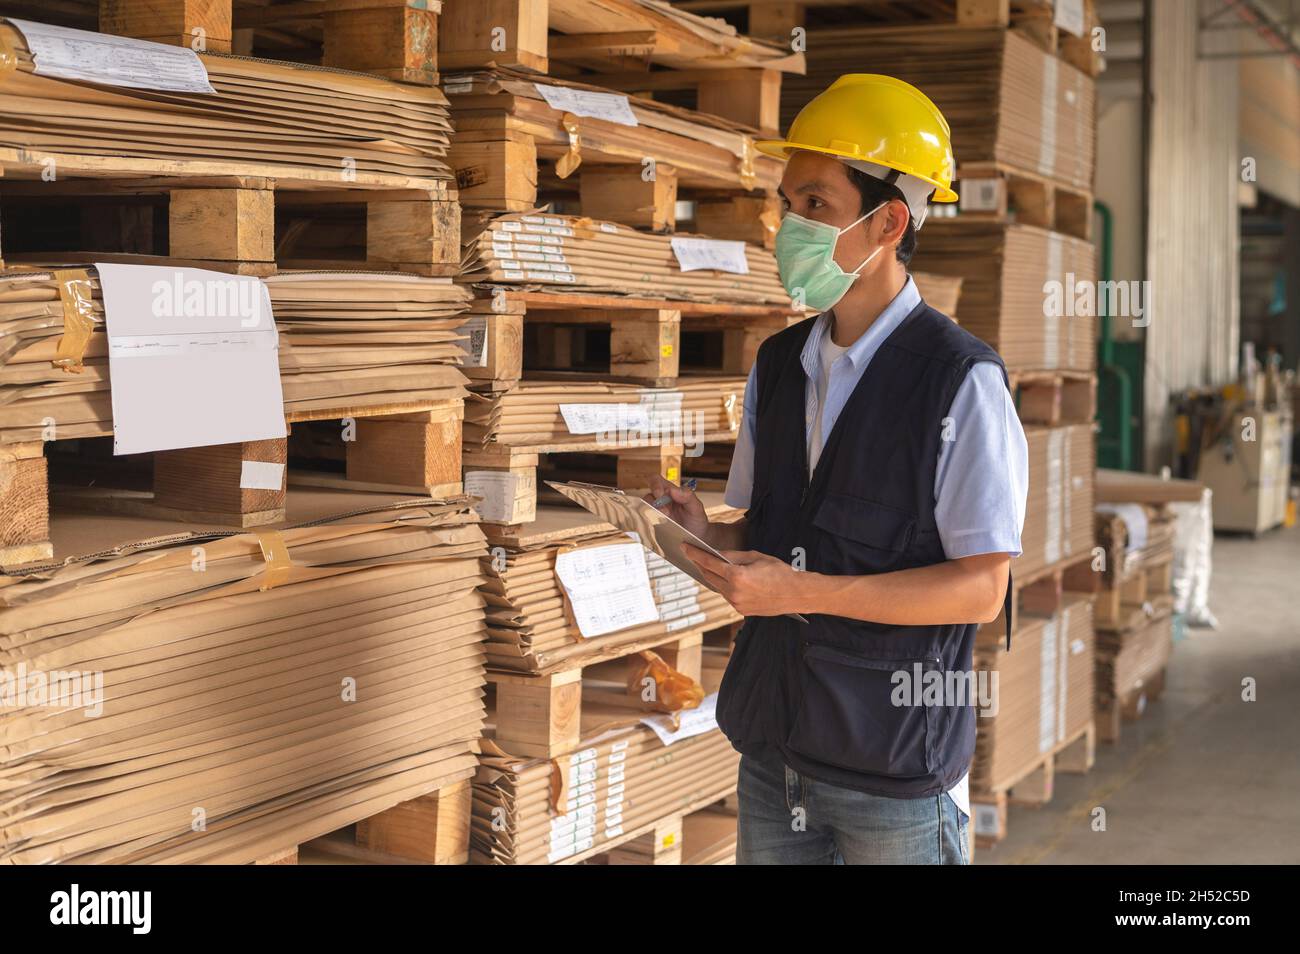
657,531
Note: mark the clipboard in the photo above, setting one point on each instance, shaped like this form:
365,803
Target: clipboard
657,531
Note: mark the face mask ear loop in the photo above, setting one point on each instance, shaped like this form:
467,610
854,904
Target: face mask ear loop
866,261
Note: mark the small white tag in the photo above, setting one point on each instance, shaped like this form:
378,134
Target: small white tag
261,475
611,107
720,254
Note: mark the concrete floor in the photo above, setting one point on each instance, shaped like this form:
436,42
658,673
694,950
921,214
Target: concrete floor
1203,777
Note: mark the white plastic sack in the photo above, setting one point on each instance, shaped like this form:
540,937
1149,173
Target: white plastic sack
1193,537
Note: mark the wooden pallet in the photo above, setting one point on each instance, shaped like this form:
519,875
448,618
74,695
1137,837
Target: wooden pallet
1054,398
646,346
992,191
540,715
775,19
430,830
241,224
412,449
396,39
1042,592
1033,787
1126,604
644,335
703,837
1146,650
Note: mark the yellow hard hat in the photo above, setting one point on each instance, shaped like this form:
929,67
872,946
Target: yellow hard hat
878,119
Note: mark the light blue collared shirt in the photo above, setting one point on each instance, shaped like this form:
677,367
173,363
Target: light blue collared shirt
982,478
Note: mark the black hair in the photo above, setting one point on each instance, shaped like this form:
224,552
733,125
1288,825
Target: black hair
875,191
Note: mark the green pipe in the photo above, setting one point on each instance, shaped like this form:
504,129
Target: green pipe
1106,350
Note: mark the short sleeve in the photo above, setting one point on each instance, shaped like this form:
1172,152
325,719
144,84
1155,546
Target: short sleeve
740,479
982,480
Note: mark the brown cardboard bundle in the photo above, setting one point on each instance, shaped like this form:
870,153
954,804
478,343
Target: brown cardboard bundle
941,292
683,39
620,783
1116,534
529,626
1006,99
296,123
504,105
533,414
1128,661
349,340
1020,290
1044,692
572,253
1059,510
257,689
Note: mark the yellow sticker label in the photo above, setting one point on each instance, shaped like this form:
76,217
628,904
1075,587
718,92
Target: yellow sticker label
666,351
673,473
670,840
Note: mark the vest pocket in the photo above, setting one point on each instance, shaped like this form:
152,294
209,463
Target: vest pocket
847,715
860,536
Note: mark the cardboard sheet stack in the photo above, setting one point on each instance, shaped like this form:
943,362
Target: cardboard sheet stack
1058,513
1134,606
547,413
617,784
1044,692
284,120
258,689
531,625
349,340
1007,100
504,124
1005,269
575,254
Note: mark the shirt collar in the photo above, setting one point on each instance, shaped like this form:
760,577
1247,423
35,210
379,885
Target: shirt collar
864,349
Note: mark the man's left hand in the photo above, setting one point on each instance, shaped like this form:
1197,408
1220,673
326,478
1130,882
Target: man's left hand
754,583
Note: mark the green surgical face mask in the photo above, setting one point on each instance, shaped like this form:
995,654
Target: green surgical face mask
805,257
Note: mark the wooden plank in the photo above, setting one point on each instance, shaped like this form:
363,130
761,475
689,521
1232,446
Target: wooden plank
207,479
396,39
203,25
432,829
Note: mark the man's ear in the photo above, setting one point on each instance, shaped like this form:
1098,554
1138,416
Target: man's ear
895,222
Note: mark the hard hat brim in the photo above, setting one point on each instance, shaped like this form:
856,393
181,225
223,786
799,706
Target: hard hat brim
781,149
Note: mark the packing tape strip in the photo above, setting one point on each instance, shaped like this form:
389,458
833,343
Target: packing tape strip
78,318
8,58
276,554
567,163
732,406
748,177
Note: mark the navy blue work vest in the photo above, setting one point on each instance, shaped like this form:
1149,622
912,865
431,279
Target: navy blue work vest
819,693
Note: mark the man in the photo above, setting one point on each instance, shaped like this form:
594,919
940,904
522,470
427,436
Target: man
884,473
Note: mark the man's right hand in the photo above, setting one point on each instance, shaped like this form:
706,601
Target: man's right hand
684,507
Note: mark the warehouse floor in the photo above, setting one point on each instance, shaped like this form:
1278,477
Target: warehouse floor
1203,777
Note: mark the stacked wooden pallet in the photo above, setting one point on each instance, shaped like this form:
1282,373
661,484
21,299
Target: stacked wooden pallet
612,339
1134,610
334,186
311,675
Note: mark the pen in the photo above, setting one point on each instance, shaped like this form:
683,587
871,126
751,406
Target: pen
690,484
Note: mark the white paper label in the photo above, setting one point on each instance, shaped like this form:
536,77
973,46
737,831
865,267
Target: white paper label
720,254
598,418
194,358
1069,16
113,60
498,489
476,348
693,721
261,475
611,107
607,586
1047,699
980,195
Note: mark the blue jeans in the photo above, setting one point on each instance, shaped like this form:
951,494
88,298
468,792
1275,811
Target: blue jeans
790,819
